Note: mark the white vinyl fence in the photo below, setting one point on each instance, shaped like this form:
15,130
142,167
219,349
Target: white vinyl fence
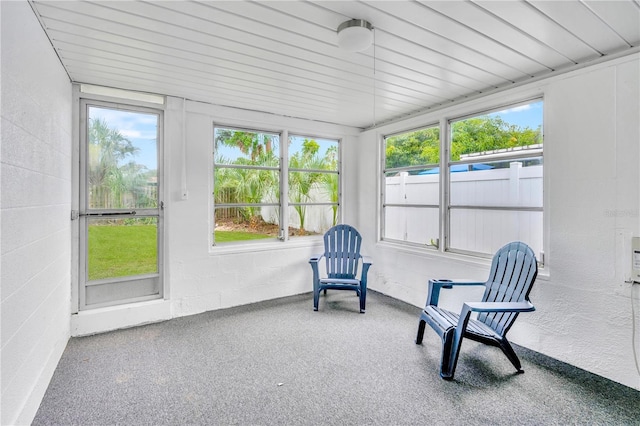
488,208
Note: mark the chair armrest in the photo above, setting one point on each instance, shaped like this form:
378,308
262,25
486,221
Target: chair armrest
525,306
469,307
436,284
315,258
450,283
366,264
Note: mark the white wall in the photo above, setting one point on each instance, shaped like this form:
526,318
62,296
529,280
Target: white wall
202,278
584,308
36,205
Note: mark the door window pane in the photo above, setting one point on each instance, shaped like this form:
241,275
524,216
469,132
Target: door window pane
122,163
122,247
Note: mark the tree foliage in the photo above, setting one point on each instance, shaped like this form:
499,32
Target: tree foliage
301,183
254,145
115,179
254,185
415,148
478,134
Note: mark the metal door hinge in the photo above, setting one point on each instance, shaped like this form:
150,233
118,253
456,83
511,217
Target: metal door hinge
75,214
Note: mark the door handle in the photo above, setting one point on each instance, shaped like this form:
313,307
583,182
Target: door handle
129,213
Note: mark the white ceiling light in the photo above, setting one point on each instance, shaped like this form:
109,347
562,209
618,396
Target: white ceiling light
355,35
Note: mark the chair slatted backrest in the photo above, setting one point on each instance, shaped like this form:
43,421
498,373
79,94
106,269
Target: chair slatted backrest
342,251
513,271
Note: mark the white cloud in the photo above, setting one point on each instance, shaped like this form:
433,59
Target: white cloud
132,125
130,133
516,109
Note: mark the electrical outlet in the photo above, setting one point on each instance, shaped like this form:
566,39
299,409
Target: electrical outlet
635,260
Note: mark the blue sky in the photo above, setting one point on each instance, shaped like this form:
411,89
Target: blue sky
529,115
231,153
140,128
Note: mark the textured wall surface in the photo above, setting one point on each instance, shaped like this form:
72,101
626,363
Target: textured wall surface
585,309
204,278
36,204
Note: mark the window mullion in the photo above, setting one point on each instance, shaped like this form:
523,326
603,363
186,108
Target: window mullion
284,187
445,147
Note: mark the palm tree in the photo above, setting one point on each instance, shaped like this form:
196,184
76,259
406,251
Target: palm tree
107,149
330,184
244,185
301,183
249,143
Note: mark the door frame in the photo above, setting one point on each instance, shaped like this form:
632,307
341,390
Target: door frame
81,101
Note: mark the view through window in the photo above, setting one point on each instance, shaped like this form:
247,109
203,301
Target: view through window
496,181
251,201
411,189
314,185
492,182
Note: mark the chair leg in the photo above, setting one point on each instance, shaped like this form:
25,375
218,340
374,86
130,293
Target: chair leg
452,340
510,353
363,298
448,362
316,298
420,335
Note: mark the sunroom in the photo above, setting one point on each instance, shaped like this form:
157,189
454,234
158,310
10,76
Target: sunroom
166,159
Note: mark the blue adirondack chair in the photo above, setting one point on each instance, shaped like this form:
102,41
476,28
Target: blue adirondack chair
342,253
513,271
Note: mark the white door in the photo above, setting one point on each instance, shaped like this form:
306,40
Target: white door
121,209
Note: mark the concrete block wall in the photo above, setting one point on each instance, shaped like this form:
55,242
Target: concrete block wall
202,277
590,111
585,310
35,212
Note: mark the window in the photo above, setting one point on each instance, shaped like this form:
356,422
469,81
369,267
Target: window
411,186
314,185
488,193
257,196
246,185
495,180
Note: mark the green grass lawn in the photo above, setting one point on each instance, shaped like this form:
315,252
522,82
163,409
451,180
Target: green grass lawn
230,236
125,250
120,251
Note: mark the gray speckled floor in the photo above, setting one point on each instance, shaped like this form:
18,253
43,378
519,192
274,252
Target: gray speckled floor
280,363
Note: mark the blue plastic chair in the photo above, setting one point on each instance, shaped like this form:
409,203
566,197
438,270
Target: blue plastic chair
342,253
513,272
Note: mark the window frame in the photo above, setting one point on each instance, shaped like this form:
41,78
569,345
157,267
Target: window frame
283,174
215,165
337,172
383,186
445,120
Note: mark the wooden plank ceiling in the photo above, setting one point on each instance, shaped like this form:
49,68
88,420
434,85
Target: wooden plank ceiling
282,57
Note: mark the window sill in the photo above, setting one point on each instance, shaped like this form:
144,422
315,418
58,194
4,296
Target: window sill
432,253
267,245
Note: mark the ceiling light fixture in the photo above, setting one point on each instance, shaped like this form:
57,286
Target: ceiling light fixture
355,35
